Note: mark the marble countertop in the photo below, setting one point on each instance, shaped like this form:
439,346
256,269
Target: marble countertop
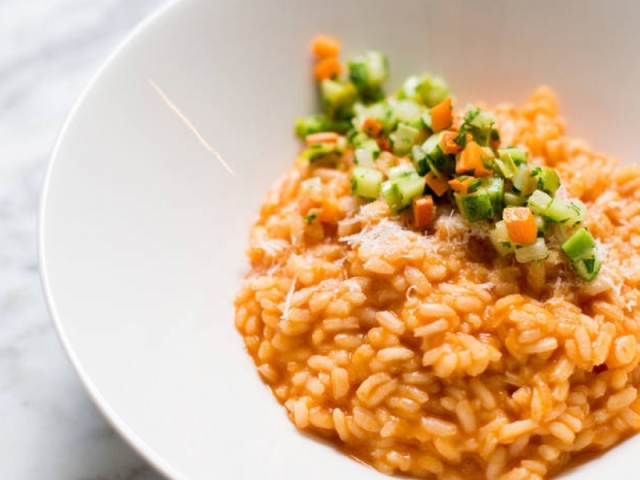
49,49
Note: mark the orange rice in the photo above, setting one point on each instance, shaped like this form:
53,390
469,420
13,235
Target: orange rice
430,355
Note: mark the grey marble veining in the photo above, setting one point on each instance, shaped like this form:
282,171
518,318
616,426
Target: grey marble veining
49,49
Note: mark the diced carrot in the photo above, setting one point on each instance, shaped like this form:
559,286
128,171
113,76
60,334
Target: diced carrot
423,211
327,68
325,46
471,161
403,161
441,116
384,144
372,127
330,210
461,185
447,143
521,224
321,137
438,185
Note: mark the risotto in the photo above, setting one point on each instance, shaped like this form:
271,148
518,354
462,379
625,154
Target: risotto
424,345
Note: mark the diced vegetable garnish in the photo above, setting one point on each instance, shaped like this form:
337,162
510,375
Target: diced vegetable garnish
325,46
579,245
441,116
326,68
406,150
473,161
319,123
475,206
533,252
438,185
500,239
364,158
366,182
368,72
520,224
423,211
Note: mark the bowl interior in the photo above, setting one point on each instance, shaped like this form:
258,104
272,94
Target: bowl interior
143,231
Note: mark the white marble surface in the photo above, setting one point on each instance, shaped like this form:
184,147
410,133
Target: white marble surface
49,429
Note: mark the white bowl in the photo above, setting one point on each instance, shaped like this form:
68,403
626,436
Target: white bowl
142,231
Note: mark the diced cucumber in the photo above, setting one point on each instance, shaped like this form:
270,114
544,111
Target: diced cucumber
364,157
533,252
368,72
562,211
419,159
514,199
587,268
366,182
338,98
515,155
475,206
391,195
319,123
407,111
404,138
505,163
495,188
401,171
399,191
541,224
499,236
438,162
548,180
425,89
538,202
579,245
523,181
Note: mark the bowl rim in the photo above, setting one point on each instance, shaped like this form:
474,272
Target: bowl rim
103,405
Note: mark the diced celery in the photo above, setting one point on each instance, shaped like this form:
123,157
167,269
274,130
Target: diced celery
505,163
580,244
475,206
364,157
533,252
338,98
419,159
366,182
516,155
538,202
548,180
499,236
404,138
523,181
401,171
